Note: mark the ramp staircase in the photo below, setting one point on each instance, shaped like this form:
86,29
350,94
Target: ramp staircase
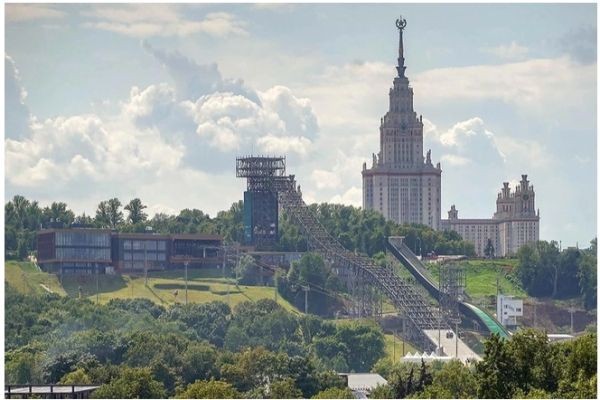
402,293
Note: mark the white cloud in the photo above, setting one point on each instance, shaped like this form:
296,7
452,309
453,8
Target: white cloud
529,151
193,80
454,160
30,12
284,144
533,86
352,197
326,179
509,52
296,113
147,20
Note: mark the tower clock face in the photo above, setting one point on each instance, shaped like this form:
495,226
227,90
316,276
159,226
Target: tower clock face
525,197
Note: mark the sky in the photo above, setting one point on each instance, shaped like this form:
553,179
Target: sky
156,101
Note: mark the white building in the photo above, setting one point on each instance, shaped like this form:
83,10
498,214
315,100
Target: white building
402,184
361,384
514,223
508,309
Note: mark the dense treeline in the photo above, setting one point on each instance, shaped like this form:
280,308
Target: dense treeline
365,231
526,366
546,271
24,217
357,229
135,348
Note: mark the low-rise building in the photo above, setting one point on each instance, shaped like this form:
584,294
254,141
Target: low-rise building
508,309
81,250
88,250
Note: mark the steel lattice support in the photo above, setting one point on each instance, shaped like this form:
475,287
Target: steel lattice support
360,271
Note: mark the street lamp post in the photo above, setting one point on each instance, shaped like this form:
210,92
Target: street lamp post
418,241
186,281
440,309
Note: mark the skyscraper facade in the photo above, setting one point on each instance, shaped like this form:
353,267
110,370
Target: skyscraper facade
401,183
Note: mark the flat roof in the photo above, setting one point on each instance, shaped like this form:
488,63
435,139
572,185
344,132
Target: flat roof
95,230
194,236
363,381
48,389
133,235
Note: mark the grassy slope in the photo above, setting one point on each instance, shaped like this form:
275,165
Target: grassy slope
27,279
389,347
203,286
481,277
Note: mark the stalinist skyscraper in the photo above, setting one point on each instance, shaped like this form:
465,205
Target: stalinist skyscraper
402,184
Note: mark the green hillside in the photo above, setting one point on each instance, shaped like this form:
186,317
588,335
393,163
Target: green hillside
481,277
203,286
28,279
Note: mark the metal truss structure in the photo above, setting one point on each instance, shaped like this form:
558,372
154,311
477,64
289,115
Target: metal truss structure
452,291
365,279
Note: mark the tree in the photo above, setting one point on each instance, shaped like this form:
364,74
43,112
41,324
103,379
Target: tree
284,388
77,377
453,381
209,321
533,361
115,215
254,367
334,393
382,392
132,383
20,206
579,367
587,275
199,362
58,212
489,249
210,390
366,341
136,211
103,215
495,374
245,270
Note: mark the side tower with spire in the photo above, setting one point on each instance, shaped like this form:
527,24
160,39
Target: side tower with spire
402,184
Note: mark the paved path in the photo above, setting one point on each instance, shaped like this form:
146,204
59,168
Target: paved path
449,345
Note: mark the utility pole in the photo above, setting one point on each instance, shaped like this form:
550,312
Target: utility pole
306,289
456,353
98,288
571,311
404,336
275,284
394,333
228,289
440,309
145,263
186,262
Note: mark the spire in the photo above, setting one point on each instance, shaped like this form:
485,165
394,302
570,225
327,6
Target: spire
401,24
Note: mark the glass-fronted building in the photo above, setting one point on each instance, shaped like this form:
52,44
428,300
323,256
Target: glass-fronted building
136,252
74,250
85,250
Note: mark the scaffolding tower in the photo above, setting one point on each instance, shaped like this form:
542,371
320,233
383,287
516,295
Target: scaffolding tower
452,291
